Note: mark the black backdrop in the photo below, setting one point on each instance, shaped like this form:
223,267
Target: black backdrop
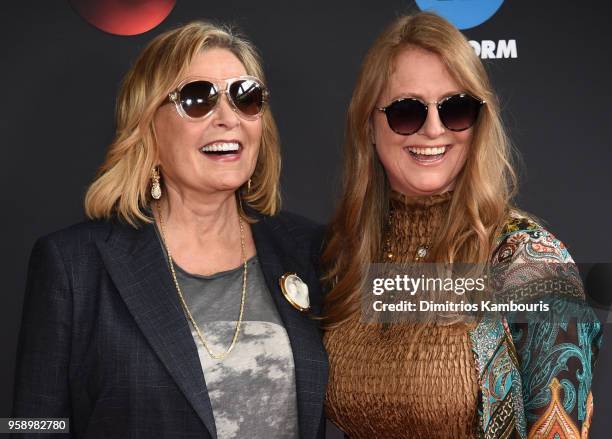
60,76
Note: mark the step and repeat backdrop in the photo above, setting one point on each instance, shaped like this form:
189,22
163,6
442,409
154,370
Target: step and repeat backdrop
62,63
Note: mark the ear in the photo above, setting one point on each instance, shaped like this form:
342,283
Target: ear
155,146
370,130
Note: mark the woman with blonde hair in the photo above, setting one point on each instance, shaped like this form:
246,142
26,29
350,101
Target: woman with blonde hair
428,178
179,308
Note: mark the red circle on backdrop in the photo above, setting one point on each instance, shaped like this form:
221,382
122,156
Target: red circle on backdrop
123,17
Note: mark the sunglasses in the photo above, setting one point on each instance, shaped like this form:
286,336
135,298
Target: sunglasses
458,112
196,99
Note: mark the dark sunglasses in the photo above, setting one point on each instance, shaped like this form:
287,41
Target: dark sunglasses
196,98
458,112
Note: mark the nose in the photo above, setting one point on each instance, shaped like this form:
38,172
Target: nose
224,115
433,126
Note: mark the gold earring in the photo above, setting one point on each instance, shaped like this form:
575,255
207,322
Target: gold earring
156,191
249,185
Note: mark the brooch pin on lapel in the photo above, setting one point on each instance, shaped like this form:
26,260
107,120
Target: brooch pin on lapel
295,291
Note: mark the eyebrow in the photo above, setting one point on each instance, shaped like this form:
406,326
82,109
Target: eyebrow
421,97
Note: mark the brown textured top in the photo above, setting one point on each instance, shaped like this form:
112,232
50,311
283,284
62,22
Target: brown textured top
405,380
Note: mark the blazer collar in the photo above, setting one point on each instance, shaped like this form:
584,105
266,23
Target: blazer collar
136,263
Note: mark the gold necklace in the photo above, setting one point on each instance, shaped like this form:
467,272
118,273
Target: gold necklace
213,355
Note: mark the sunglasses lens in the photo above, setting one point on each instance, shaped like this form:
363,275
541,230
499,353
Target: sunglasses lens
198,98
406,116
248,96
459,112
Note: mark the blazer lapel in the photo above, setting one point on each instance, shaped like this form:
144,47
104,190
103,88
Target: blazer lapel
136,263
276,253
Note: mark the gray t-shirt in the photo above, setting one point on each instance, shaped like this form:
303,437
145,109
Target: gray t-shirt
252,390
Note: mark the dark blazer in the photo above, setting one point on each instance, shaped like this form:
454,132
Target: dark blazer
104,340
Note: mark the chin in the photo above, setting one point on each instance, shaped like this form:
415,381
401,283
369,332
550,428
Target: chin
230,184
425,187
226,187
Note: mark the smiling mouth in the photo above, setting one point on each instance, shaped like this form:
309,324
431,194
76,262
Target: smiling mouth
221,148
428,154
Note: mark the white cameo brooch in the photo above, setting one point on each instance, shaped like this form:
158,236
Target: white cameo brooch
295,291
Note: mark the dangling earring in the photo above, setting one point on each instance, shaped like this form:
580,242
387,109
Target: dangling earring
249,186
156,191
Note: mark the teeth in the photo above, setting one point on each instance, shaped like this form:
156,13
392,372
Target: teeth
221,146
428,151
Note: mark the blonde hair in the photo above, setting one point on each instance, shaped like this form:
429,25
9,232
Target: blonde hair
483,191
122,185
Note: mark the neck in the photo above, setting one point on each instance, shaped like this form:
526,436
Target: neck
399,199
201,217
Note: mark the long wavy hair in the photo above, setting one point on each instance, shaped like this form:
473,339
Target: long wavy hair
121,187
483,191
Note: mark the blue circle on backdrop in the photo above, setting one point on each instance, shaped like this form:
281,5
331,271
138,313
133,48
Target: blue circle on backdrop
462,13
